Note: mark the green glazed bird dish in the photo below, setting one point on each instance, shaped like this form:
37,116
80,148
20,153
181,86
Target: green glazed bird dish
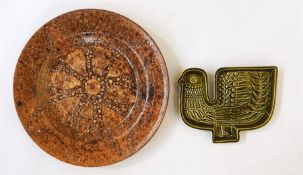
244,100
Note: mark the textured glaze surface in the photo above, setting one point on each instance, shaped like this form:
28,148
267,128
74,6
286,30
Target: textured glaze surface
91,87
244,99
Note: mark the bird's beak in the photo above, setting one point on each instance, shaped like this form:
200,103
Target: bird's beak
181,81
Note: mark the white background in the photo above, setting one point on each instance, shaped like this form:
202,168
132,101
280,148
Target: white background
208,34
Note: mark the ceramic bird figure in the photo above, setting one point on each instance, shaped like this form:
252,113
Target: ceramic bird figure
244,100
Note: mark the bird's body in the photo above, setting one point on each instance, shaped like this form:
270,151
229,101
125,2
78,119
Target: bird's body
244,99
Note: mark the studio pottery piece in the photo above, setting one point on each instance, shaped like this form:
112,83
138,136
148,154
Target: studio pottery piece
244,100
91,87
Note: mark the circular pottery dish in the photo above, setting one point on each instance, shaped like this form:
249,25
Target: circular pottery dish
91,87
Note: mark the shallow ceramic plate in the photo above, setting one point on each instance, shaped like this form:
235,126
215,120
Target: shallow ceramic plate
91,87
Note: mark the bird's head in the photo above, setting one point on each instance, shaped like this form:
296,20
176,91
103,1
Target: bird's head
193,77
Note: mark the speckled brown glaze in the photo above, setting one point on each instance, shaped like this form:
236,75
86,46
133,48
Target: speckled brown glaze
91,87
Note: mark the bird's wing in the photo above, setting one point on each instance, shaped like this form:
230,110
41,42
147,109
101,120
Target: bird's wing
196,110
245,95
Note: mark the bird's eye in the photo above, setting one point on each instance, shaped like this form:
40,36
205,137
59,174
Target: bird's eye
193,79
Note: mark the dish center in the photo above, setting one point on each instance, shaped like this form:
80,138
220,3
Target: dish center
92,86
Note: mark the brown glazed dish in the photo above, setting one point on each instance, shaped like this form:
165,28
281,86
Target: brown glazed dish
91,87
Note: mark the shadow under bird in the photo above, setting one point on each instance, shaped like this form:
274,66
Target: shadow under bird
244,100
